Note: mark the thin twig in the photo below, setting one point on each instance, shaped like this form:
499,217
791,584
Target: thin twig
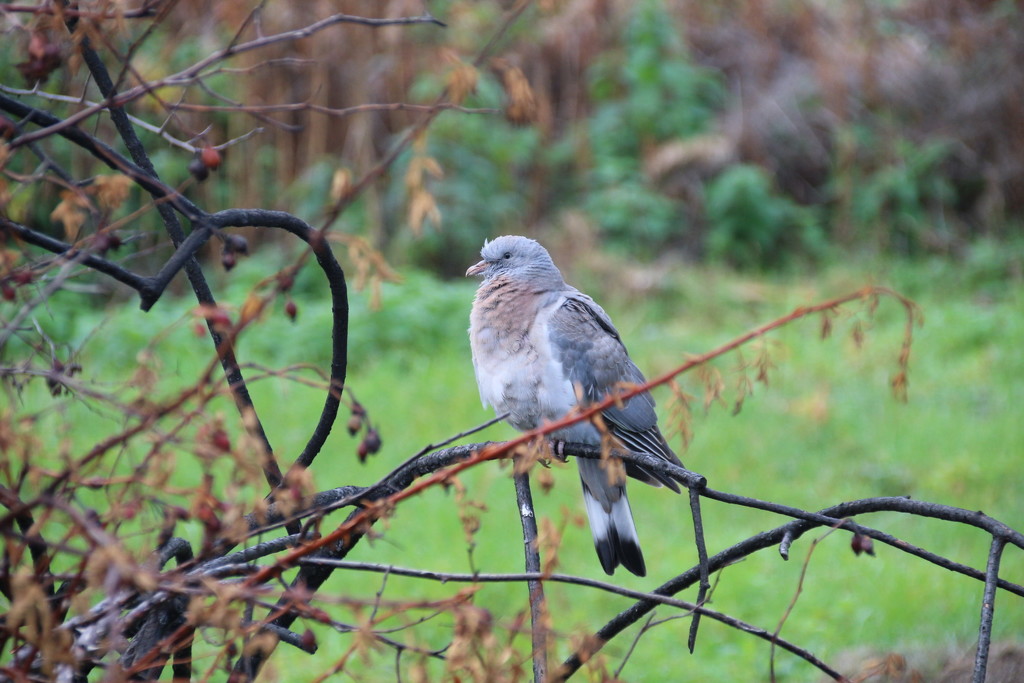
336,112
702,562
636,640
563,671
793,600
190,74
145,125
41,297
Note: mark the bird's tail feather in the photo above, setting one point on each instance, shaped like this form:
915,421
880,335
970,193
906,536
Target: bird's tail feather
611,520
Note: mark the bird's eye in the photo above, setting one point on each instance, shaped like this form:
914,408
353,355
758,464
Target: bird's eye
507,255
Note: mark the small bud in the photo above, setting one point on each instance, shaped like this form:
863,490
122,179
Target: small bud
862,544
372,440
219,320
219,439
23,277
369,445
7,292
228,259
198,169
236,244
291,310
107,241
129,510
355,423
55,386
210,157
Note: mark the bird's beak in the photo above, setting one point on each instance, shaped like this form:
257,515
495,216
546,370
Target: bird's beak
477,269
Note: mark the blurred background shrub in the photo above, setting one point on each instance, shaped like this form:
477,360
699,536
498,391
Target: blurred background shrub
752,134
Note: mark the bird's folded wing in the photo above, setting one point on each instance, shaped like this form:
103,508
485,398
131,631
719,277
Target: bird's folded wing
593,358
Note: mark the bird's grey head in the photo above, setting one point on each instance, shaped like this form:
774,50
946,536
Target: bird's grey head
518,257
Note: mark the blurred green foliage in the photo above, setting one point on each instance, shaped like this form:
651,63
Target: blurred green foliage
838,161
752,225
648,93
900,192
884,192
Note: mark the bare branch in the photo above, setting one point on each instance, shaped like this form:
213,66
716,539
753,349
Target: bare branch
538,605
988,605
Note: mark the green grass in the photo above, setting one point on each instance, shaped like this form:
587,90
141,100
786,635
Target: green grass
826,429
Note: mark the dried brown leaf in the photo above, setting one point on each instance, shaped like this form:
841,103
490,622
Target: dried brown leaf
423,207
341,181
111,190
544,478
714,385
251,309
857,334
72,212
462,79
521,107
899,386
549,540
262,643
826,325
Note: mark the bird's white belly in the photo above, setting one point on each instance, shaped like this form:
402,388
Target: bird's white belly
519,376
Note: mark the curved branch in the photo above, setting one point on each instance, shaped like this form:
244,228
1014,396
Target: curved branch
828,517
437,466
146,177
150,289
262,218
